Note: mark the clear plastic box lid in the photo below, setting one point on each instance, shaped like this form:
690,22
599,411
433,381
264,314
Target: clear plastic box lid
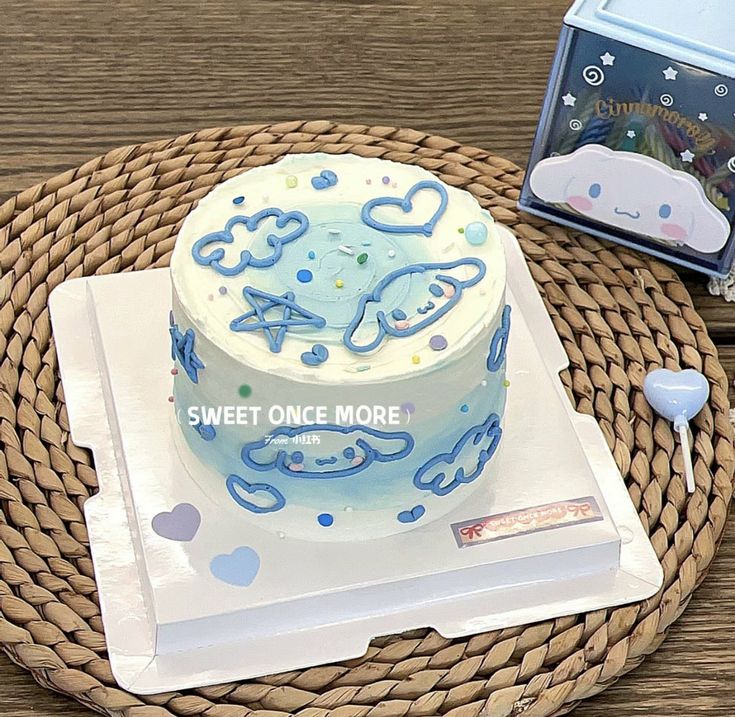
697,32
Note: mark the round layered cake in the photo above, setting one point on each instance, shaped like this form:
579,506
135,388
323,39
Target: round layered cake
339,331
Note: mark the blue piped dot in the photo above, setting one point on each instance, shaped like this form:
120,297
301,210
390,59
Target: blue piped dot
311,255
325,519
476,233
436,290
297,457
238,200
304,275
464,408
398,314
349,453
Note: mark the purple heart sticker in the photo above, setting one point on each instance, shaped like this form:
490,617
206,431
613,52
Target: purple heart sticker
181,523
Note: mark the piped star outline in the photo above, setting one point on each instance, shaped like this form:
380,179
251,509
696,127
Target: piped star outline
182,349
274,330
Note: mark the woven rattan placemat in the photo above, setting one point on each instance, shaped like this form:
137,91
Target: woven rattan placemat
618,313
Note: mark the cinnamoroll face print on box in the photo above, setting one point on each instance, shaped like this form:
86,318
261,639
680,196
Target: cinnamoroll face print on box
636,141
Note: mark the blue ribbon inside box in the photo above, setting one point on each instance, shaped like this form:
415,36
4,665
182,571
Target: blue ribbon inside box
636,141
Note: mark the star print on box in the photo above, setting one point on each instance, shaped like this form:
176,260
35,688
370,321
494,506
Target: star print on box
275,329
608,60
687,156
182,350
569,100
670,73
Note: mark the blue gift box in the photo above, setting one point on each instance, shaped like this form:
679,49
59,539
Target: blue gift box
636,141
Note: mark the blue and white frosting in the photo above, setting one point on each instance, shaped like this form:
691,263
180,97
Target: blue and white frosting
332,282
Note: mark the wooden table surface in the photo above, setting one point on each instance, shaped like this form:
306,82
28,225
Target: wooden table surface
80,77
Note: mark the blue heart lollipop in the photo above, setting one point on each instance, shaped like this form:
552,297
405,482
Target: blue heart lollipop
678,397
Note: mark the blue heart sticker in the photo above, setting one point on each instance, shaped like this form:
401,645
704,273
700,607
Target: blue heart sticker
406,205
236,568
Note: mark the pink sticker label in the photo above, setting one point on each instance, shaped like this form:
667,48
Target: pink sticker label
524,522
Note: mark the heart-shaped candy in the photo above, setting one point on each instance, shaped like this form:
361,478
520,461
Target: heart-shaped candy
676,395
406,205
411,516
318,355
236,568
325,179
181,523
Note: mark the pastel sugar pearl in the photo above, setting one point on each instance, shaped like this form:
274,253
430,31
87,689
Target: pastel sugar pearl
291,181
476,233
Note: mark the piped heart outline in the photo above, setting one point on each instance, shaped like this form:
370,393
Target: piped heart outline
406,205
251,223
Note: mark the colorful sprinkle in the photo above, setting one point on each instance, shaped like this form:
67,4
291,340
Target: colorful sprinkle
245,391
346,250
398,314
174,372
436,290
334,234
291,181
386,180
483,382
464,408
238,200
408,408
222,290
304,276
363,367
325,519
506,383
416,359
461,230
362,258
339,283
170,399
476,233
311,255
438,343
367,243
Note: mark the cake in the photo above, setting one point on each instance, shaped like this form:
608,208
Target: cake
338,333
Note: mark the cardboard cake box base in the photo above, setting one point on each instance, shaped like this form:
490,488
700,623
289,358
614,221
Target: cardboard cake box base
553,532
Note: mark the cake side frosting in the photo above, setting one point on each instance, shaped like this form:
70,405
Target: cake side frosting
336,280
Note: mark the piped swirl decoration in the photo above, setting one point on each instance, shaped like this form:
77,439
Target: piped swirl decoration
399,329
363,447
499,342
251,223
433,475
406,206
182,349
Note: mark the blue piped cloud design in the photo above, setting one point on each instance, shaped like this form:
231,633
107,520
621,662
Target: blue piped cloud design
363,446
499,342
383,325
276,242
405,204
255,497
435,474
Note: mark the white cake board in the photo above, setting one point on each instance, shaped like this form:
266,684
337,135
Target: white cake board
170,624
